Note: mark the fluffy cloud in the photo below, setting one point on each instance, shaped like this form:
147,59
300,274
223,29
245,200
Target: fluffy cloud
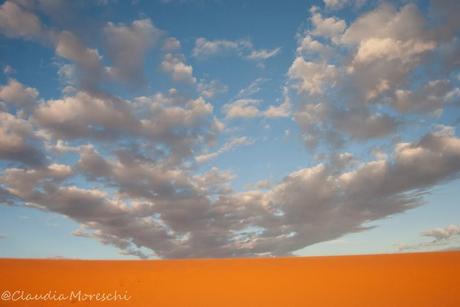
171,213
282,110
171,124
16,21
441,239
329,124
308,46
17,94
329,27
171,43
127,46
311,77
389,44
389,49
443,233
175,66
18,142
88,60
362,125
134,180
85,115
431,97
243,108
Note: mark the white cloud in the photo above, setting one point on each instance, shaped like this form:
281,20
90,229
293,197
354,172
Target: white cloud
244,48
442,238
16,21
171,43
389,49
17,141
308,45
431,97
176,67
204,47
281,110
329,27
242,108
17,94
212,88
263,54
226,147
340,4
127,46
311,77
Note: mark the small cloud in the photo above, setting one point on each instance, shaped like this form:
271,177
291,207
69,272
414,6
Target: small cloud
175,66
441,237
8,70
244,48
226,147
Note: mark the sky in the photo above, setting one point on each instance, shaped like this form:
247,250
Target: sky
217,129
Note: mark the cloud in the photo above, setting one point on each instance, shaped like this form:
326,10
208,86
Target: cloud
390,44
246,107
211,89
443,233
171,122
15,93
216,182
281,110
18,142
16,21
88,60
132,176
244,48
242,108
357,71
389,49
442,239
340,4
329,27
175,66
308,46
312,76
171,43
85,115
171,213
335,4
431,97
8,70
226,147
127,46
263,54
362,125
20,20
205,48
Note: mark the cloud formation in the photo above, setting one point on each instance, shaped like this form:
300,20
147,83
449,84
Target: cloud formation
244,48
441,237
131,167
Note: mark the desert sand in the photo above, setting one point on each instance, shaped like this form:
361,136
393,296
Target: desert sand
419,279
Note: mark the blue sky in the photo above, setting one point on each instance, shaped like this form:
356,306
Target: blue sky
190,129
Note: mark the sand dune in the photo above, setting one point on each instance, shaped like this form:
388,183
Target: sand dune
423,279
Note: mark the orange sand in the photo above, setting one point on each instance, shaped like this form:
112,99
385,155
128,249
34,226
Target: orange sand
424,279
